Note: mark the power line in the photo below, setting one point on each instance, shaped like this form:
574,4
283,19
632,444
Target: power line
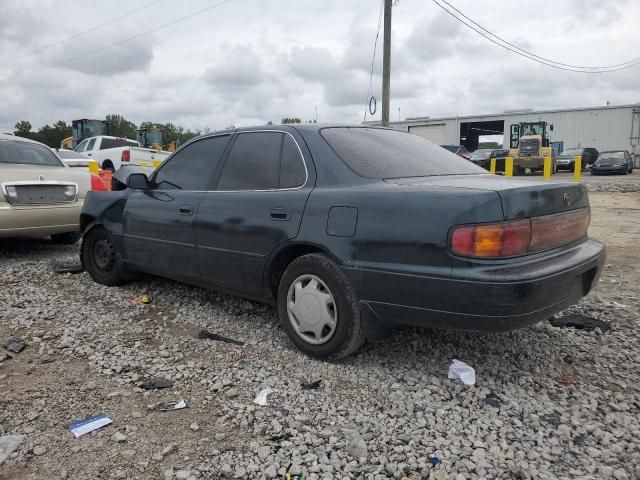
79,34
120,42
524,53
373,60
533,54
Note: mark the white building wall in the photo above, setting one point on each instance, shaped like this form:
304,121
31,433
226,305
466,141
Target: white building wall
604,128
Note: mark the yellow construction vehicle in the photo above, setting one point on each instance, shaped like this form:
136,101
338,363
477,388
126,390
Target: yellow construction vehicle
152,137
81,129
529,145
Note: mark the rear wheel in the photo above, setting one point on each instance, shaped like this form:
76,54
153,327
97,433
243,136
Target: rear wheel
100,258
65,238
318,308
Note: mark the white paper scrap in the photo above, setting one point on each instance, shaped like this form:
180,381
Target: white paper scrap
81,427
464,372
261,398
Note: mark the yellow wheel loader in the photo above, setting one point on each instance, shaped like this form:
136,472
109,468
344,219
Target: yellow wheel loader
81,129
529,144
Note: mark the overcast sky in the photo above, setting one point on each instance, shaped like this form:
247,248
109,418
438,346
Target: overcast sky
251,61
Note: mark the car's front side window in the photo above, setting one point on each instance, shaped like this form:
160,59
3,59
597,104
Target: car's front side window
253,163
192,167
82,146
91,144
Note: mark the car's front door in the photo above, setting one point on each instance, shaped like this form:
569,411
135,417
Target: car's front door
257,204
158,228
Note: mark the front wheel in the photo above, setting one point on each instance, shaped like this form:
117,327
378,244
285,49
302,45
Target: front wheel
318,308
100,259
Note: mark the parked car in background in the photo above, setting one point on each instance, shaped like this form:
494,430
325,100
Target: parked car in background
73,159
113,152
482,157
40,196
458,150
567,159
614,161
348,230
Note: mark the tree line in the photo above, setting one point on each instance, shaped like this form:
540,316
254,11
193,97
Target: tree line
117,126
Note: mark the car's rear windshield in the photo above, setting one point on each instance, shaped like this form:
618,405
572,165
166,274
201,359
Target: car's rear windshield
480,154
610,156
27,153
71,154
380,153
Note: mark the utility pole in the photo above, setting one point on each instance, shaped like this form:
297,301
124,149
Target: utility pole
386,63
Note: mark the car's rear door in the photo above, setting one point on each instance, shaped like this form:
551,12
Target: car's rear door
159,223
257,204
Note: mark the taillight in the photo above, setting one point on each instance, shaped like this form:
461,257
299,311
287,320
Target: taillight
126,156
520,237
97,184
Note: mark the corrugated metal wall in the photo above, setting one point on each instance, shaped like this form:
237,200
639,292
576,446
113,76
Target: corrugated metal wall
601,128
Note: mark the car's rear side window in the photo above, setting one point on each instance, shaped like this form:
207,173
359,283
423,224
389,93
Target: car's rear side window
379,153
292,171
193,166
27,153
253,162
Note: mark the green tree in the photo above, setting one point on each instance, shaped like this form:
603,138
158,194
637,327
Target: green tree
118,126
52,135
23,128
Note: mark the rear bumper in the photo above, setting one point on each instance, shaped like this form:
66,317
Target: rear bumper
609,170
39,221
490,299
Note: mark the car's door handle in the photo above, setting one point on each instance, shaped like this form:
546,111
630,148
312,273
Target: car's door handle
279,214
186,210
88,154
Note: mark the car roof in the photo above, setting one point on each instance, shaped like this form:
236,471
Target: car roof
15,138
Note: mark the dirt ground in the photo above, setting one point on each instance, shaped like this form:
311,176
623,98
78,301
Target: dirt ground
43,389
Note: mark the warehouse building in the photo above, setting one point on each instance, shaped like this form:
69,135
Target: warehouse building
603,128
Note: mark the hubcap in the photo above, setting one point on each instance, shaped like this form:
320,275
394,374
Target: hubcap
312,310
103,255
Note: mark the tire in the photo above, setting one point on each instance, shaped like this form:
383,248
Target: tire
100,259
348,331
68,238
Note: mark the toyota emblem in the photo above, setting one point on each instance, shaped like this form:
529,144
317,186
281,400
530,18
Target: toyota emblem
566,198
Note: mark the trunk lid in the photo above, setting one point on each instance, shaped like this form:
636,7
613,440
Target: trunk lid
520,197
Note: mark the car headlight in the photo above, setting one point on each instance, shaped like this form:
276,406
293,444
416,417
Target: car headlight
11,193
69,192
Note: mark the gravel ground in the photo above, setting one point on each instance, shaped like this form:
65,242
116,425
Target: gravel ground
548,402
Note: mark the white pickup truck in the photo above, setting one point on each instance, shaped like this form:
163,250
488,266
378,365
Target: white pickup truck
113,152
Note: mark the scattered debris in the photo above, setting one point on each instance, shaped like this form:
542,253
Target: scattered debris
580,440
65,266
8,445
492,400
169,406
434,461
579,321
566,379
157,384
464,372
15,346
205,334
295,477
552,418
311,386
261,397
144,299
90,424
356,446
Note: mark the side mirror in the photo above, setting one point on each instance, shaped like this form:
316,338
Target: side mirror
138,181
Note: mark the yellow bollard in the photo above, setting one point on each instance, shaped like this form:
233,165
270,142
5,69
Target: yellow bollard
94,167
492,165
156,163
547,167
577,168
508,167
